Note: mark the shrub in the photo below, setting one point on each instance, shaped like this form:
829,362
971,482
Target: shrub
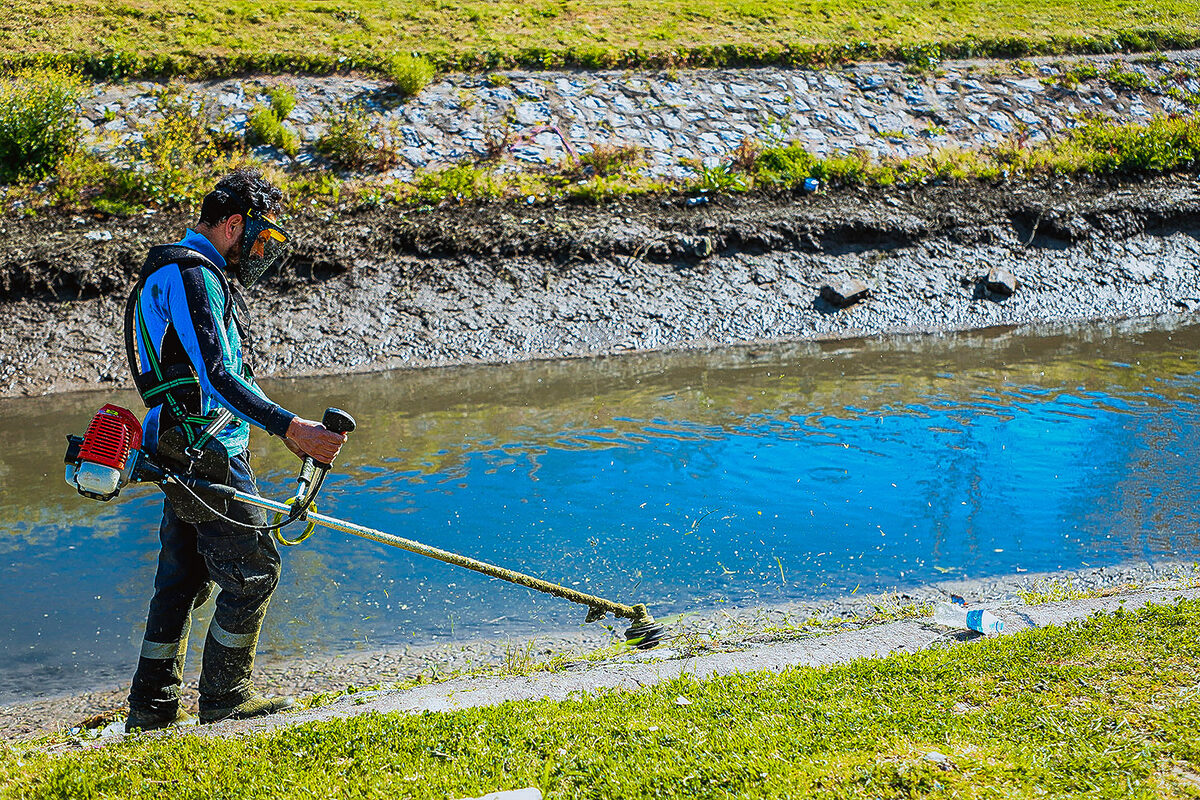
409,74
355,140
283,100
783,166
266,127
177,159
39,122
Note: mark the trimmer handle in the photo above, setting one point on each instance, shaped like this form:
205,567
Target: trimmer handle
338,421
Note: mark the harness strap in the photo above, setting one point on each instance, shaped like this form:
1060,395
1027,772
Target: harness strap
175,385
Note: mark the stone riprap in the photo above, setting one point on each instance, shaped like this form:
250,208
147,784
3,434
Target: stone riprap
538,118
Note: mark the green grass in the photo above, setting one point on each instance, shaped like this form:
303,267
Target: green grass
221,37
1107,708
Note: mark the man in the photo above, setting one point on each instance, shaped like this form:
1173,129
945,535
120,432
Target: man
184,335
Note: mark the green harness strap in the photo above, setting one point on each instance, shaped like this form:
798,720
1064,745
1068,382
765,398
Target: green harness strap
199,429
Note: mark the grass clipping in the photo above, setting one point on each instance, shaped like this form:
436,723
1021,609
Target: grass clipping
1103,708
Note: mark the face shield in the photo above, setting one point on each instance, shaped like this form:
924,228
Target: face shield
264,244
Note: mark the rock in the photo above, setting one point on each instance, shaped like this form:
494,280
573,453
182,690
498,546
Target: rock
698,246
764,275
843,292
531,793
1000,282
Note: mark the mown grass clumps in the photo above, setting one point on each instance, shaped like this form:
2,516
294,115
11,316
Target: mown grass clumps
1106,708
225,38
39,122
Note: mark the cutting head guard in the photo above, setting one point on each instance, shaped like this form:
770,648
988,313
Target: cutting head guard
264,243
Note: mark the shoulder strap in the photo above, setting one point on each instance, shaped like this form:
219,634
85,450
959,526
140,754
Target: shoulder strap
158,384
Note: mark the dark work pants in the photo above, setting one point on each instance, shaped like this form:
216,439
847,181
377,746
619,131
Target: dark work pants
244,565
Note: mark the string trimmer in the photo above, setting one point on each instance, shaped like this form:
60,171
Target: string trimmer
109,456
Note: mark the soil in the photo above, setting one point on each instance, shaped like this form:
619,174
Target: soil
384,287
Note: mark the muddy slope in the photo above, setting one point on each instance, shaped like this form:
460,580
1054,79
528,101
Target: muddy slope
380,288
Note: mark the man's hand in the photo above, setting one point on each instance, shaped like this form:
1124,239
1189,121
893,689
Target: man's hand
308,438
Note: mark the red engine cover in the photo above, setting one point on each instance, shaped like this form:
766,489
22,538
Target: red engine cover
111,434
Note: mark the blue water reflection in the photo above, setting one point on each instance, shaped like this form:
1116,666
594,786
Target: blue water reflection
690,488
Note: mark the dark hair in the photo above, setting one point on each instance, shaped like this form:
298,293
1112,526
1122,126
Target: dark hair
238,192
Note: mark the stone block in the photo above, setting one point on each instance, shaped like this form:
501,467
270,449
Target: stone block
1000,282
843,292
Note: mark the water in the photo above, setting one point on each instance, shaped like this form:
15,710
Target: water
685,481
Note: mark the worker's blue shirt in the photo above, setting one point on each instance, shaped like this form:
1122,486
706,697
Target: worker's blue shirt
192,300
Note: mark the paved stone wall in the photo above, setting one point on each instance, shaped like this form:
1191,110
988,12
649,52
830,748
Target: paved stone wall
701,115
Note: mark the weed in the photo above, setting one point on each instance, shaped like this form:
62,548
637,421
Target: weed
409,73
460,182
783,166
266,127
283,100
1072,76
357,140
744,157
497,80
1154,59
38,122
716,179
606,160
1117,75
1187,98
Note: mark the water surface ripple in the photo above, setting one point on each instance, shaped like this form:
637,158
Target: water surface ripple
734,477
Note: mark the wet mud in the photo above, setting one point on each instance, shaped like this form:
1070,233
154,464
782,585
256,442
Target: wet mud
380,288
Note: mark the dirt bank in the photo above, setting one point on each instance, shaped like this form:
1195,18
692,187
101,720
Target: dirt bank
380,288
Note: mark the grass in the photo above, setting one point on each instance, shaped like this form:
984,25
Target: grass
1106,708
209,38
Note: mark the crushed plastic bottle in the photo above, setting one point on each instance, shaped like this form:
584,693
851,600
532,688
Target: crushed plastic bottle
975,619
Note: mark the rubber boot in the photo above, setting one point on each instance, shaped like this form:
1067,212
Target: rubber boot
154,695
225,688
141,721
256,706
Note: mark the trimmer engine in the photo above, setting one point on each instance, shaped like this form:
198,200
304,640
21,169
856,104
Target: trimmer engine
102,462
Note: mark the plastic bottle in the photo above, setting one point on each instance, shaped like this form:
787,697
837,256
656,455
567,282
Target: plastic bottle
975,619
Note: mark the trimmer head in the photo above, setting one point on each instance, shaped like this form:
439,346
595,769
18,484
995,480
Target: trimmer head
644,633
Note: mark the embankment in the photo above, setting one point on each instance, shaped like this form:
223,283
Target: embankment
382,288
